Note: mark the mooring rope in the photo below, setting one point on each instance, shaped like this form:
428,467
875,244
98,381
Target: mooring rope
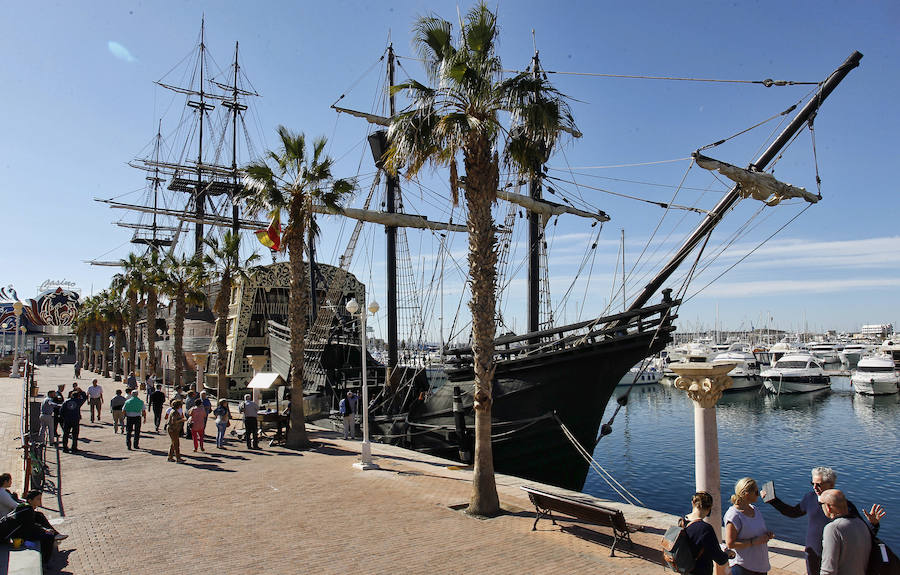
620,489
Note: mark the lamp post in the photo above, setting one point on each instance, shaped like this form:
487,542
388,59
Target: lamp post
366,450
17,310
171,354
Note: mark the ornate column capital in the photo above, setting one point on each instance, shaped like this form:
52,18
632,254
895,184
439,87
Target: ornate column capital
143,355
200,358
257,362
703,382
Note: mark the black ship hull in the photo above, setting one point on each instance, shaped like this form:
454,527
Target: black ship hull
542,381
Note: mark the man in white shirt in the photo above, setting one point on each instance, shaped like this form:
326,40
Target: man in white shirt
250,409
95,399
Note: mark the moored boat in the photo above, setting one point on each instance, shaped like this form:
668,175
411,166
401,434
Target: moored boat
875,375
796,373
746,372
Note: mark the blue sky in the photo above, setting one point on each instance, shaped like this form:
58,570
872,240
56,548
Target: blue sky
80,103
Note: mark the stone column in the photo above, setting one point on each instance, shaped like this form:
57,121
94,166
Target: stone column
142,364
258,363
200,359
704,384
126,368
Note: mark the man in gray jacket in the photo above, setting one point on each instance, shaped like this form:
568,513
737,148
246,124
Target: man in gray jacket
846,541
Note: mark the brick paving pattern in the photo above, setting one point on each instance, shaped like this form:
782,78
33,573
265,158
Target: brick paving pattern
236,511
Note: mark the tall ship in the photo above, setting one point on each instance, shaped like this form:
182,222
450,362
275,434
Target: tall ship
192,174
551,382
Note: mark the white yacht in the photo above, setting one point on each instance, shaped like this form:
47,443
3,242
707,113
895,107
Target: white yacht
875,375
853,352
746,374
648,376
780,349
827,351
796,373
892,348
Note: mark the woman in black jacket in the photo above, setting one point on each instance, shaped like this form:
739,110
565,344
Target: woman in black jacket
704,544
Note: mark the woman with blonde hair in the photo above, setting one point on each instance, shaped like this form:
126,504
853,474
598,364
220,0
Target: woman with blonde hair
745,531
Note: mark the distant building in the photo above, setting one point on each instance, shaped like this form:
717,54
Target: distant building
877,330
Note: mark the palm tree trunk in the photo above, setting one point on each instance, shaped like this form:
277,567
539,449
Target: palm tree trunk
481,172
117,348
152,297
178,352
132,331
104,348
222,301
297,322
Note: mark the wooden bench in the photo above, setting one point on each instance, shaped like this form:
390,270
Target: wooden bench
546,503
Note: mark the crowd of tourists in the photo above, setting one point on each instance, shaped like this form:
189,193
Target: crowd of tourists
838,536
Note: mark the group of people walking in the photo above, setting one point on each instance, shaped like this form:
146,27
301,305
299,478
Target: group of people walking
187,414
838,536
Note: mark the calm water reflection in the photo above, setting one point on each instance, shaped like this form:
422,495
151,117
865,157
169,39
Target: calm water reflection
651,449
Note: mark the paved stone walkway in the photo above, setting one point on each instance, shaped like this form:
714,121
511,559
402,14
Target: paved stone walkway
236,511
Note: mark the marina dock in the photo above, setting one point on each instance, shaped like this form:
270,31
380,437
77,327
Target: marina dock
282,511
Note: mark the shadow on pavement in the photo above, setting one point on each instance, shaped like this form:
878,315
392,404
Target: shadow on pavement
97,456
651,554
58,563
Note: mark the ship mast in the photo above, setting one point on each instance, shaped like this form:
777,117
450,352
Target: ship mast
391,232
726,203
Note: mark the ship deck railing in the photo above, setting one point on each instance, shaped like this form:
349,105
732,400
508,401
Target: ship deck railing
632,322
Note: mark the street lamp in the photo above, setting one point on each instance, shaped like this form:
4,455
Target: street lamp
366,452
17,310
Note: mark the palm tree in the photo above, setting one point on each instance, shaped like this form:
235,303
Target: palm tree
131,281
182,282
152,274
298,180
459,115
223,262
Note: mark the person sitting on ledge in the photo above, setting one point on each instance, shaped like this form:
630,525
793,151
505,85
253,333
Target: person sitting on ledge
25,522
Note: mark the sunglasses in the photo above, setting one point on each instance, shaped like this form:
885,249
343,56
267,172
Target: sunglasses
814,484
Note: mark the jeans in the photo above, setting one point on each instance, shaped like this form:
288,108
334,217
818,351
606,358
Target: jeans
132,427
739,570
813,562
47,426
349,427
220,433
157,416
251,429
70,428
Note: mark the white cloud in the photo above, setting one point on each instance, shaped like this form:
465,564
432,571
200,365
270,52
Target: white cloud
783,287
120,51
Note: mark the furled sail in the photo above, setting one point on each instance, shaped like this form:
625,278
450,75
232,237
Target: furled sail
547,209
391,219
758,185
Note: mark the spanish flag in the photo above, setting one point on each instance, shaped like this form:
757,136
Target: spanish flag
271,236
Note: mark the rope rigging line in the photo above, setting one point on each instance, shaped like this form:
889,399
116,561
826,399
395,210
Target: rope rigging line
629,197
748,254
620,489
359,79
610,166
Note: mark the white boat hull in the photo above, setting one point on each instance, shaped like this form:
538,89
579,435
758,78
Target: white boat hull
779,386
874,386
744,382
648,377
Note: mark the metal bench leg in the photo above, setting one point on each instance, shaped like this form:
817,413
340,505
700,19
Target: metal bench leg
612,551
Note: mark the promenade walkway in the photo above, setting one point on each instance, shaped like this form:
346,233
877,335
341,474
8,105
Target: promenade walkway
281,511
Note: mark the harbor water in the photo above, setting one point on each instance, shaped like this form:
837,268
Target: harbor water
769,438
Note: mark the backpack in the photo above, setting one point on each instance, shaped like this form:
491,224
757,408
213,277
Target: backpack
676,549
882,561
